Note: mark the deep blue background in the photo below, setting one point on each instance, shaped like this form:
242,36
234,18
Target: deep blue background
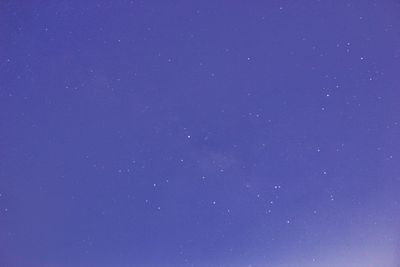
208,133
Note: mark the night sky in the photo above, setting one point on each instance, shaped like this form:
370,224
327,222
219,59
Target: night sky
200,133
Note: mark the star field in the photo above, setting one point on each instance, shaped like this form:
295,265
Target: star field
173,133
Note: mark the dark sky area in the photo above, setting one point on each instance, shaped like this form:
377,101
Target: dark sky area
200,133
